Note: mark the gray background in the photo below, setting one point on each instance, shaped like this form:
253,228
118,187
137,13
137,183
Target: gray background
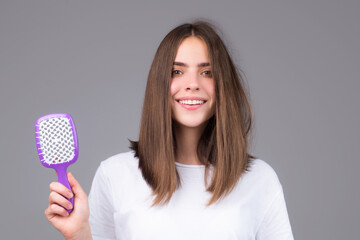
91,59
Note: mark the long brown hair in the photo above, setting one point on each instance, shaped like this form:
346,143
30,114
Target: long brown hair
224,144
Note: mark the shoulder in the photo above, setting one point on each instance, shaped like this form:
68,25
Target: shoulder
112,178
262,169
120,160
120,165
262,177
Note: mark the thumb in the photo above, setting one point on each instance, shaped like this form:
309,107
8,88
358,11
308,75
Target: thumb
75,186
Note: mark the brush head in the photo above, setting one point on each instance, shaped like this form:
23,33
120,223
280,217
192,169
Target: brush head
56,140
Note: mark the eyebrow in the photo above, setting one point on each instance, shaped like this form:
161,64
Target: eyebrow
181,64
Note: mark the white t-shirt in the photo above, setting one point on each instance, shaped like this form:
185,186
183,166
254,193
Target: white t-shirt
120,205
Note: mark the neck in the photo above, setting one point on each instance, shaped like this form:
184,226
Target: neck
187,139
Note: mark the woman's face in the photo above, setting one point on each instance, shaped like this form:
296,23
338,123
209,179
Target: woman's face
192,85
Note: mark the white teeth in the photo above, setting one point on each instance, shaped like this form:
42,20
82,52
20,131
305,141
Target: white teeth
192,102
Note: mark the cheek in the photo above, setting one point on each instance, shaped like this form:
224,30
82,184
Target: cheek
210,88
173,88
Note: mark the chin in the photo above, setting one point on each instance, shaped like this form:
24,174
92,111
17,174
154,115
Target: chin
191,123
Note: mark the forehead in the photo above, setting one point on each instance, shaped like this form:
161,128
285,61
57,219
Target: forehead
192,50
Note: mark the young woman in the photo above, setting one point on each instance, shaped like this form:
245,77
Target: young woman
189,176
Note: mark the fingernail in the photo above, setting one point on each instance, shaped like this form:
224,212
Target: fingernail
70,194
70,206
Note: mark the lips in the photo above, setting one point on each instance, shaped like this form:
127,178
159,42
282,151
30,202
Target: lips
191,103
190,99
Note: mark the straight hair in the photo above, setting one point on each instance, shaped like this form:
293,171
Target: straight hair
224,143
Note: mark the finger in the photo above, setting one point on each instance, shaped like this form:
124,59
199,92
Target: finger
61,189
58,199
54,210
75,186
48,213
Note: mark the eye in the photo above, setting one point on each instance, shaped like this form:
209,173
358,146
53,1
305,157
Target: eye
207,73
176,72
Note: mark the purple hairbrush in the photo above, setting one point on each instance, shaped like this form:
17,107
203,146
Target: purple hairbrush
57,144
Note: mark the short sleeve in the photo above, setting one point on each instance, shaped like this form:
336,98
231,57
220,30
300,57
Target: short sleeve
101,207
276,224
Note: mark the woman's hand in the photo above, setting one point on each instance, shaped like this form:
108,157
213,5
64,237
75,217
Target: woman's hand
76,224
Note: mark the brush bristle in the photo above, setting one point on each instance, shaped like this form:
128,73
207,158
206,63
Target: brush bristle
56,140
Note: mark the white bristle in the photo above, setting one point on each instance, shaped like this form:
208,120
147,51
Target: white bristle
56,140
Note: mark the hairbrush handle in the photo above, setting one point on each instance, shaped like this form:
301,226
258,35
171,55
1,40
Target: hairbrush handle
62,178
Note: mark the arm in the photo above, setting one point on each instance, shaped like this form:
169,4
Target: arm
275,224
73,226
102,206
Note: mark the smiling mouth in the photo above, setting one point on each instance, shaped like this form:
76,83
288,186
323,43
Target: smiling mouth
191,102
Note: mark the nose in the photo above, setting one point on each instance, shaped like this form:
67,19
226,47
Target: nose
193,82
